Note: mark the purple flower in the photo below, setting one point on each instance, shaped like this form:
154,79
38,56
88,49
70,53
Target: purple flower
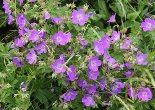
92,88
128,73
34,36
21,21
23,86
91,14
145,94
112,18
47,15
57,20
21,1
148,25
83,42
61,38
88,100
102,45
23,31
93,74
59,66
69,95
18,61
10,19
31,57
133,48
94,63
33,0
19,42
83,84
6,7
33,25
112,63
79,17
41,48
132,92
117,87
42,33
128,65
141,58
115,36
126,44
103,83
72,76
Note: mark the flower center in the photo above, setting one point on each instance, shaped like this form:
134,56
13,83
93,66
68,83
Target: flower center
148,25
80,17
144,94
59,39
93,63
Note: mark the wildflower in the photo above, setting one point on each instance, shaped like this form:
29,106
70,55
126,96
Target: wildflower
23,86
69,95
72,76
83,84
141,58
128,73
21,21
112,63
145,94
102,45
79,17
132,92
126,44
103,83
32,57
112,18
42,33
33,0
115,36
18,61
6,7
128,65
148,24
94,63
41,48
92,88
47,15
10,19
19,42
34,36
61,38
57,20
117,87
93,74
21,1
88,100
59,66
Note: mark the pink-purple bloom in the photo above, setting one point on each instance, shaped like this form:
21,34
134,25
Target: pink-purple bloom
23,87
79,17
127,44
18,61
32,57
62,38
115,36
59,66
47,15
34,36
10,19
117,87
88,100
72,76
83,84
19,42
57,20
132,92
93,74
112,18
103,83
102,45
129,73
41,48
21,21
21,1
141,58
94,63
69,95
145,94
148,25
92,88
